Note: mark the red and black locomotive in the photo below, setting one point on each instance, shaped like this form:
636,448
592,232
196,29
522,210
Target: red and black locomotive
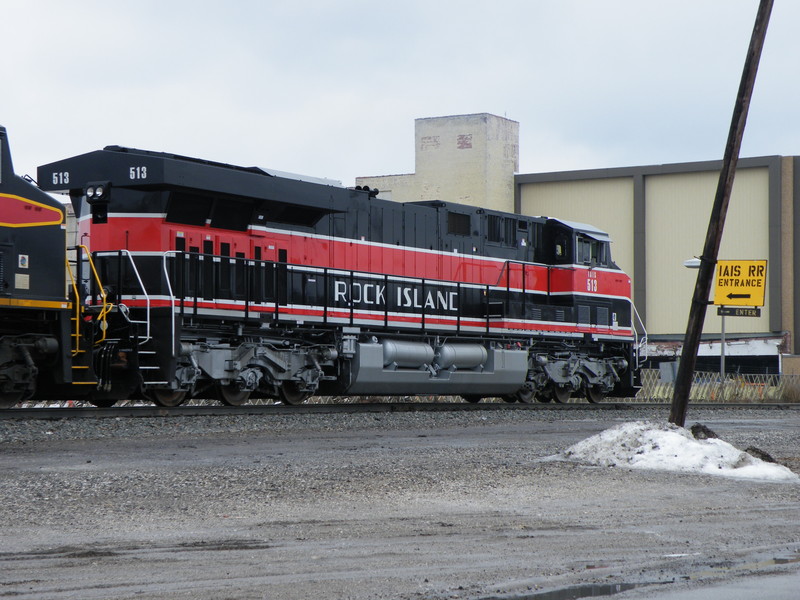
204,279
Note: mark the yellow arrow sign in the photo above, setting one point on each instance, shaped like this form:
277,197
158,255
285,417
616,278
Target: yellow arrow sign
740,282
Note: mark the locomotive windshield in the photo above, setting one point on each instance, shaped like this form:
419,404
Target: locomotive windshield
592,251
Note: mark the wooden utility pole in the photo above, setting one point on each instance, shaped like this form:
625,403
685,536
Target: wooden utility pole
708,260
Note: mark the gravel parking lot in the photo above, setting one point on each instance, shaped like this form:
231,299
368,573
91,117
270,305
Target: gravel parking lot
389,505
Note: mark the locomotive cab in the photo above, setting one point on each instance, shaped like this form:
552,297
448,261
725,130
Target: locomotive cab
567,242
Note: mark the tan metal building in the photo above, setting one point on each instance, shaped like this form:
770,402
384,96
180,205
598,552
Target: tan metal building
657,217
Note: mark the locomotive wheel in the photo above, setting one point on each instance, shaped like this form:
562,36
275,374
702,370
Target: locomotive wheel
289,393
168,398
232,396
525,393
560,394
10,399
595,395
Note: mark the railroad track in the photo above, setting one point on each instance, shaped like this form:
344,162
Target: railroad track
65,412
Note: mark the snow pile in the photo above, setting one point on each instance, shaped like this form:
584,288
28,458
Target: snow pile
645,445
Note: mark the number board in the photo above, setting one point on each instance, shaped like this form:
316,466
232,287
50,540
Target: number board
740,282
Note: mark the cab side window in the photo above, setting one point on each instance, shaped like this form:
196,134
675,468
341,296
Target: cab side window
562,248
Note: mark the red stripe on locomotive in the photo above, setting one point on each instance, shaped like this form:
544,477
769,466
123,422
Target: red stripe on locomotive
151,234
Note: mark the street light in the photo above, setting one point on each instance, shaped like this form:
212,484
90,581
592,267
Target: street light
692,263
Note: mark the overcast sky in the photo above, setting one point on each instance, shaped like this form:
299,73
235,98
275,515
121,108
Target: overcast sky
332,88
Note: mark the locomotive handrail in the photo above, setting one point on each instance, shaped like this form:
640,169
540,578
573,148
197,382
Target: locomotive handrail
146,322
639,344
105,306
279,300
78,306
171,297
505,271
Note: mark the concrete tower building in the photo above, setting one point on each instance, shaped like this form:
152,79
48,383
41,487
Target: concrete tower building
469,159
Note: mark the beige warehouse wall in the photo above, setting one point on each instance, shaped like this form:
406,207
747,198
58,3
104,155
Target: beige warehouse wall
677,208
604,203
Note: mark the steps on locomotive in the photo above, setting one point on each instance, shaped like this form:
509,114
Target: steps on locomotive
149,369
82,374
88,322
80,353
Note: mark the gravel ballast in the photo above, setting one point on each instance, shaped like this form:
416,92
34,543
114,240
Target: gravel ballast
376,505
